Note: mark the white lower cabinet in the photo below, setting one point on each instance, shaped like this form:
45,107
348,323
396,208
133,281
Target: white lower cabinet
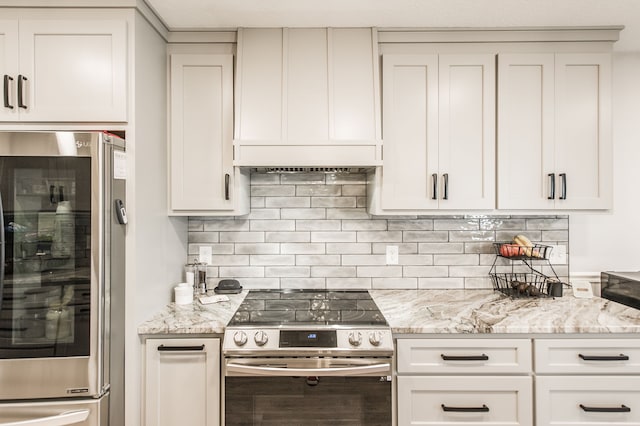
588,400
462,400
587,381
464,382
182,382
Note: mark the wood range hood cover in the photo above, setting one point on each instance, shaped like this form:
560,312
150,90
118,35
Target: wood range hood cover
307,98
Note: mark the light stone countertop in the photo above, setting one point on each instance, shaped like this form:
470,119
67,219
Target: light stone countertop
488,311
194,318
436,312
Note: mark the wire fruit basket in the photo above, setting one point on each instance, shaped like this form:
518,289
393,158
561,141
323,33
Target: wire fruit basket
526,281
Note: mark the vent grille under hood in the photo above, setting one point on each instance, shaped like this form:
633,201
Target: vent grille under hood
342,170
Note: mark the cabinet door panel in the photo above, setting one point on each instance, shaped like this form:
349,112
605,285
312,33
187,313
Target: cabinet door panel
8,67
353,85
506,400
76,70
182,387
467,130
306,95
410,86
559,400
201,134
259,85
583,129
525,130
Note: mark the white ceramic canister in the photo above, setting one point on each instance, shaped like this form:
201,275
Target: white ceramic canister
183,293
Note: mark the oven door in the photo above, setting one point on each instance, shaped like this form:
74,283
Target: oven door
308,391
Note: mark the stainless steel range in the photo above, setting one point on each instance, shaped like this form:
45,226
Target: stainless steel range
308,357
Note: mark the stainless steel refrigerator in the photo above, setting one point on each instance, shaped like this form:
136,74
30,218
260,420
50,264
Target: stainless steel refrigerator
62,231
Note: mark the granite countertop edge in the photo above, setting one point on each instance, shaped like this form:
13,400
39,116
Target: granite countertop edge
443,312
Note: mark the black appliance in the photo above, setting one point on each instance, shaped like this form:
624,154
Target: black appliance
621,287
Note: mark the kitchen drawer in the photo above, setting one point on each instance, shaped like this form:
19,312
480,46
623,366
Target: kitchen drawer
587,356
455,400
464,356
559,400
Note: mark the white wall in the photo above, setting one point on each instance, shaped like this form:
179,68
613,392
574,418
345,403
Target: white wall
156,243
609,241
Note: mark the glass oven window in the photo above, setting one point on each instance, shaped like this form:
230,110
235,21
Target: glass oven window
46,294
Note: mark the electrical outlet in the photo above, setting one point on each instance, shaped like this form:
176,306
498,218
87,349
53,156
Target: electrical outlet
558,255
205,254
392,255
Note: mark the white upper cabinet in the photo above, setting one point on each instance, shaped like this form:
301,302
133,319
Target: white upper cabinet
439,132
69,70
202,177
554,131
307,97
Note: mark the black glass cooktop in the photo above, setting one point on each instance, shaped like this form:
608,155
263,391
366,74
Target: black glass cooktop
308,307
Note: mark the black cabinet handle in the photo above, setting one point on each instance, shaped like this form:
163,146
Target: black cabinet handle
226,186
482,357
7,80
163,348
563,176
622,409
445,178
21,80
52,194
620,357
434,177
552,177
483,409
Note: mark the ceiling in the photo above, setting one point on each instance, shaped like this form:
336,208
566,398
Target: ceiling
220,14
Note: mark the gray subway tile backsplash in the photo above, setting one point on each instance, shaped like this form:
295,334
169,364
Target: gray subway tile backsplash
312,230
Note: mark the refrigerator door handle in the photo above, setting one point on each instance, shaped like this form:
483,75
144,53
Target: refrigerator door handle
62,419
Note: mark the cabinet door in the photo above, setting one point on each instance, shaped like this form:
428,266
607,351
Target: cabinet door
182,382
466,159
259,108
588,400
460,400
8,69
583,131
410,123
525,130
76,70
201,155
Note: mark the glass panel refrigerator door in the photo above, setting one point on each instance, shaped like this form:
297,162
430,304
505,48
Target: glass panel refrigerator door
46,223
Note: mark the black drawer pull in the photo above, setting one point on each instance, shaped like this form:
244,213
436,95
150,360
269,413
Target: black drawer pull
483,409
226,186
620,357
622,409
7,80
434,179
21,80
482,357
563,177
163,348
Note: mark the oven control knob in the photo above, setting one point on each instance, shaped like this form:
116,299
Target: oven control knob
355,338
240,338
375,338
261,338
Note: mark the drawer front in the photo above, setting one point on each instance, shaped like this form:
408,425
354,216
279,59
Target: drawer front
454,400
464,356
587,356
594,400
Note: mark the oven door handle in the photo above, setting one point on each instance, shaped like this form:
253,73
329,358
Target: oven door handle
270,370
62,419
